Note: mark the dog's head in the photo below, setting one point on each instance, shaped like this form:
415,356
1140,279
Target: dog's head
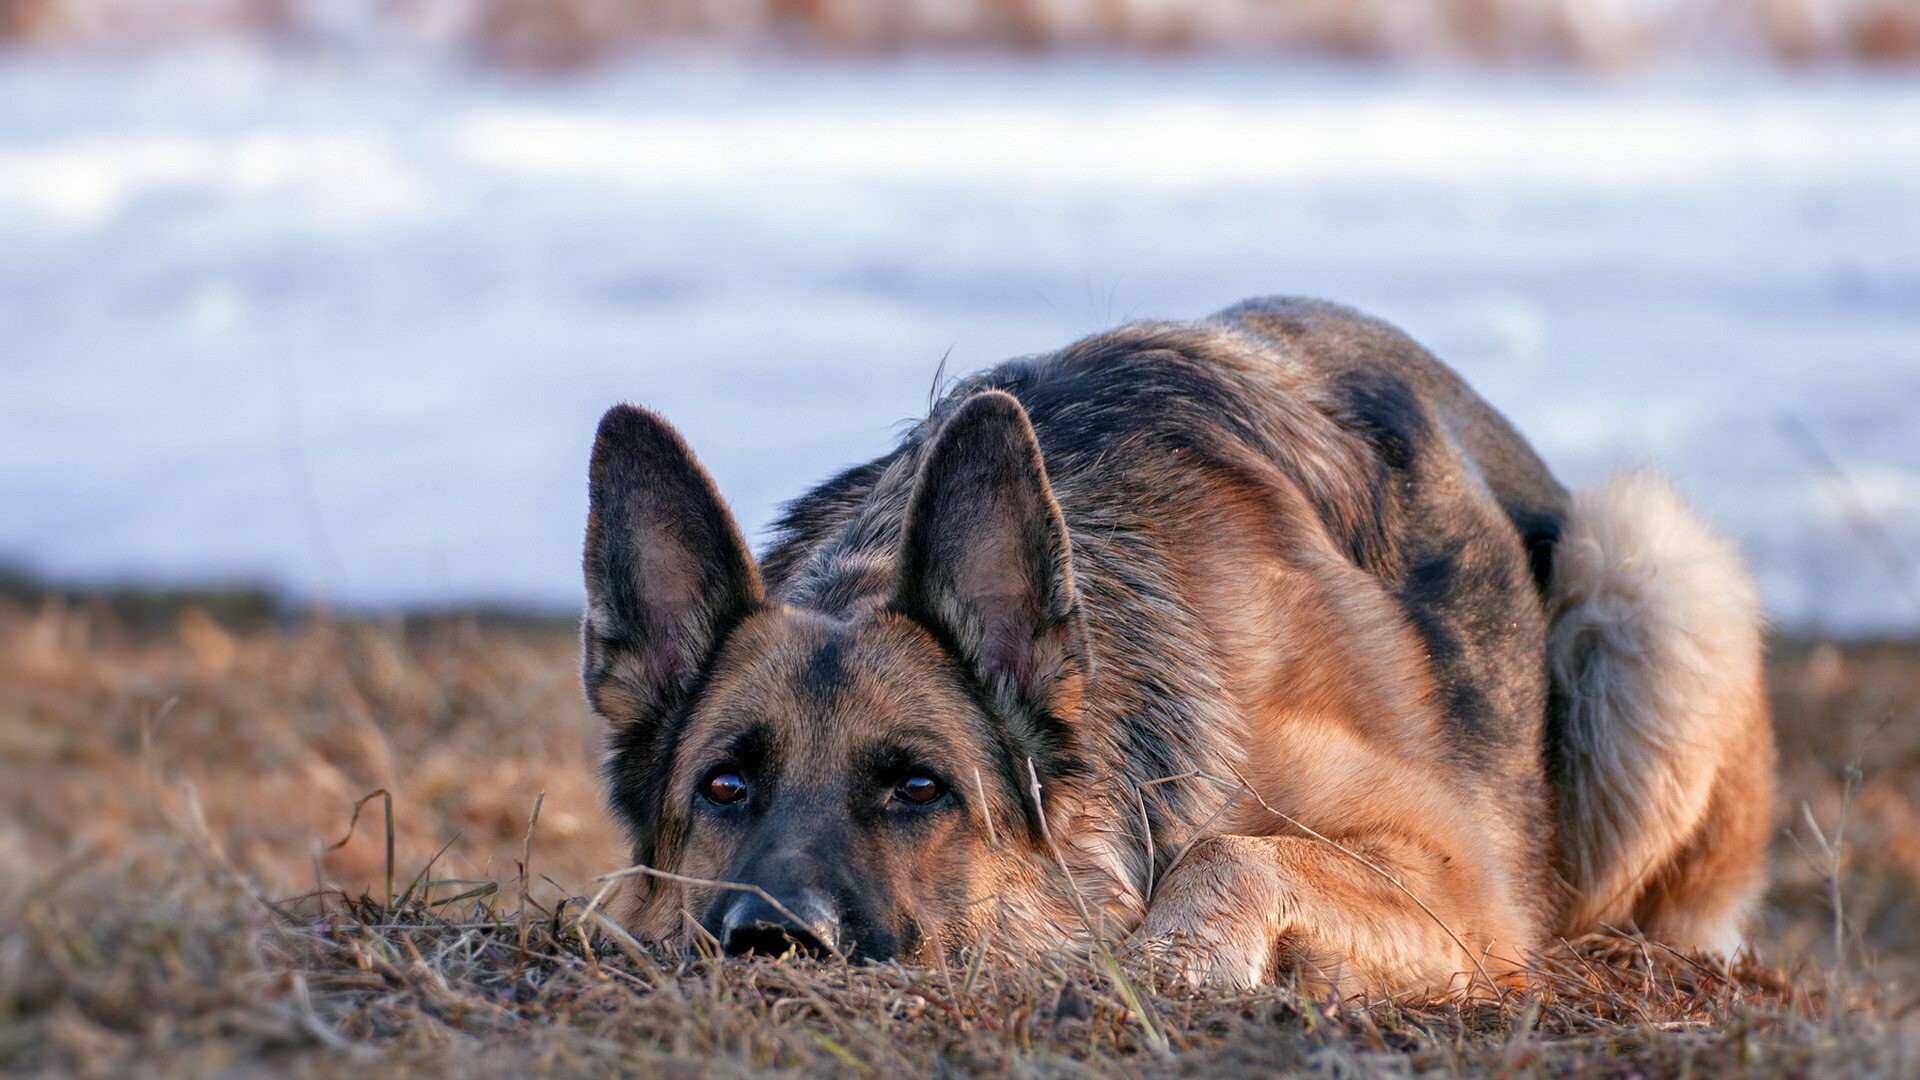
860,783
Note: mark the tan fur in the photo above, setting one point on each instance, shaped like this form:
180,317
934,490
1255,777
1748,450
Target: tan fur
1666,779
1239,911
1402,889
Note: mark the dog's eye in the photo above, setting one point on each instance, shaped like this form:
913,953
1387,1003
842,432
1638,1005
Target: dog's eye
723,787
919,789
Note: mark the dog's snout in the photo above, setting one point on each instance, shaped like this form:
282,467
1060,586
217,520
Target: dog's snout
772,927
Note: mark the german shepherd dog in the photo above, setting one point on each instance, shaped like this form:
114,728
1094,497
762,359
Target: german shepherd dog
1259,645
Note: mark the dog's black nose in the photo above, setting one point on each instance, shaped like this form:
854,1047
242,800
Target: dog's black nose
755,925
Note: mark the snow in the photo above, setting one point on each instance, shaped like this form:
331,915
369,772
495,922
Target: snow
348,328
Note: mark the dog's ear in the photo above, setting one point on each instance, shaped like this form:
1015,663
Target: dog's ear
984,562
667,572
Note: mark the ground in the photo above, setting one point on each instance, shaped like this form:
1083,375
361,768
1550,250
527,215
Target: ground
183,890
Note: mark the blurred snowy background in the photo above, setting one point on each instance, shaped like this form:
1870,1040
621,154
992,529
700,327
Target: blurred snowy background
330,295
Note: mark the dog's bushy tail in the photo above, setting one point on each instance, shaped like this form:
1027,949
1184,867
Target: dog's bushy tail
1660,718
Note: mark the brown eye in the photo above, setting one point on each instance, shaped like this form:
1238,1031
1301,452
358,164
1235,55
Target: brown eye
724,787
919,789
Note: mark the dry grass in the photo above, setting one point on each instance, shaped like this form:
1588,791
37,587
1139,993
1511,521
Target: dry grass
169,902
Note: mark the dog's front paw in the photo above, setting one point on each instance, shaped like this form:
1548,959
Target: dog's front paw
1217,921
1201,960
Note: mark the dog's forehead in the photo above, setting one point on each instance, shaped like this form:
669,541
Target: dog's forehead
834,684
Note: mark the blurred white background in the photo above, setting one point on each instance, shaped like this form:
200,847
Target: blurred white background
330,296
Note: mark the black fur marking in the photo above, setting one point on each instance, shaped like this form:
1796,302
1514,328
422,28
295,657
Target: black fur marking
1541,534
1384,410
825,669
1432,589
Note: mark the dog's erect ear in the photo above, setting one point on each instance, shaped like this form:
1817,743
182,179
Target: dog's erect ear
984,560
667,572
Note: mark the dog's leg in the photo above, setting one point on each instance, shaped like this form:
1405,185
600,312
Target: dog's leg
1378,916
